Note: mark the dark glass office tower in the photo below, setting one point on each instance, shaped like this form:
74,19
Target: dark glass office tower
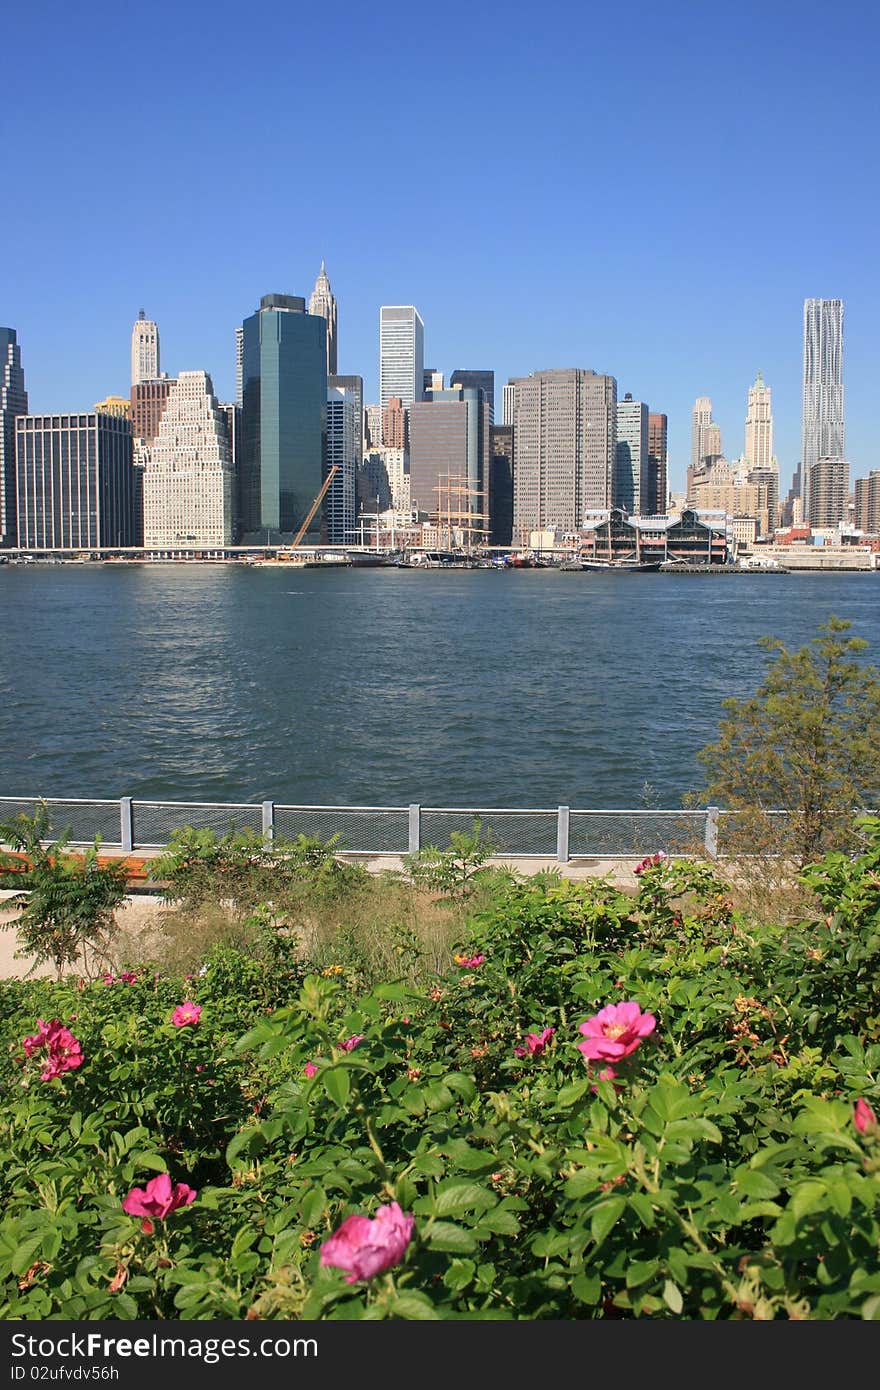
13,402
284,419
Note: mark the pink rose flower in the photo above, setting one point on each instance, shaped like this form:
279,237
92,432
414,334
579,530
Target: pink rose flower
157,1200
351,1043
864,1118
364,1247
650,862
310,1069
469,962
63,1050
535,1043
615,1031
186,1013
128,977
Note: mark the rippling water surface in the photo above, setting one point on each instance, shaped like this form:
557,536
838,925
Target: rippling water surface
382,687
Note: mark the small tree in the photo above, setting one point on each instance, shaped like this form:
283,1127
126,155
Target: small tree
807,743
67,909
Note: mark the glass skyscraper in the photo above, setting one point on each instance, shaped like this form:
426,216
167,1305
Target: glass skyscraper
284,419
13,402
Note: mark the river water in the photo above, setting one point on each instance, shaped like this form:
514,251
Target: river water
383,687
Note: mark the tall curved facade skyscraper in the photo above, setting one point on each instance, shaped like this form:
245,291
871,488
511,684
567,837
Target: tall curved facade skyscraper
823,434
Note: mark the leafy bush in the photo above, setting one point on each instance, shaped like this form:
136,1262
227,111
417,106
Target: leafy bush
707,1151
66,909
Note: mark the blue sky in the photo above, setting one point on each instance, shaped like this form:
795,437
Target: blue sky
648,190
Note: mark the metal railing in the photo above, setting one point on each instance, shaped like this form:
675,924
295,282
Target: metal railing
560,833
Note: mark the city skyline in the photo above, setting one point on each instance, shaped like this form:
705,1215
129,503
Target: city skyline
689,297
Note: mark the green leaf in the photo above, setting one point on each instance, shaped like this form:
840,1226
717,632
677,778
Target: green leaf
807,1196
640,1271
605,1217
587,1288
445,1235
459,1274
752,1182
452,1198
414,1306
641,1205
337,1083
571,1094
672,1297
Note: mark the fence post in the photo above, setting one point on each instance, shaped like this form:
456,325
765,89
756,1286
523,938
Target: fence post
415,830
126,825
562,825
711,833
268,821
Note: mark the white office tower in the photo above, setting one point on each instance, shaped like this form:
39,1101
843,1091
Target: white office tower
701,421
758,452
822,424
322,302
144,350
188,477
239,366
508,395
343,449
397,472
630,485
401,354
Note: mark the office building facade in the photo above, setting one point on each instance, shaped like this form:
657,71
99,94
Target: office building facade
823,434
144,350
501,485
343,435
401,354
867,499
284,419
13,402
630,490
188,480
74,481
480,381
828,495
449,454
564,439
758,451
701,417
658,474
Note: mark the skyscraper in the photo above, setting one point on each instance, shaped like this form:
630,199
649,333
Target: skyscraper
563,448
75,481
630,489
188,477
484,381
323,303
284,418
828,492
658,481
700,419
355,385
508,392
449,461
144,350
13,402
343,435
758,452
401,354
822,422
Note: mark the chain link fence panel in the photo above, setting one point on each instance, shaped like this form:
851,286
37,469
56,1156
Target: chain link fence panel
526,834
154,822
84,819
361,829
616,834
